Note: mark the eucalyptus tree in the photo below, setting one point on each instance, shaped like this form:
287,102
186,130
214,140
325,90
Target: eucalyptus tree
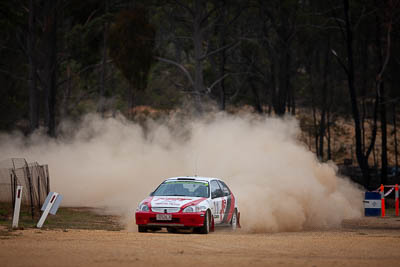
131,48
196,21
355,14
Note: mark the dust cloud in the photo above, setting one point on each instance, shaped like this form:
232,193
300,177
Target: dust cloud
114,163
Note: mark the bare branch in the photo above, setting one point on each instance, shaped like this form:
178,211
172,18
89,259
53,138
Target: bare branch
379,78
340,61
90,17
228,46
180,66
338,21
216,82
84,70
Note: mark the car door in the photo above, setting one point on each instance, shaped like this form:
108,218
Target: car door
216,197
228,203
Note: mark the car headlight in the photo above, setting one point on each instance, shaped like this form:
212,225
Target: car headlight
143,207
194,209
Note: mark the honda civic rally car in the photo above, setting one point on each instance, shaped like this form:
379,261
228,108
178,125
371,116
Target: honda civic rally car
197,203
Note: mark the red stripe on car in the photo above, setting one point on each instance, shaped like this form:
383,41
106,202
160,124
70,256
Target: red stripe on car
192,203
232,209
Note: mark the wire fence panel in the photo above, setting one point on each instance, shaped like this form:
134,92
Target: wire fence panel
32,176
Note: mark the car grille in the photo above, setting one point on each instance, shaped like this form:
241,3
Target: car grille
162,210
174,220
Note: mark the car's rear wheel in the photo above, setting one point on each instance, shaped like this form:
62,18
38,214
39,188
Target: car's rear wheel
142,229
234,220
205,229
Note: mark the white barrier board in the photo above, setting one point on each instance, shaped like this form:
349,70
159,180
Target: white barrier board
17,206
372,204
48,204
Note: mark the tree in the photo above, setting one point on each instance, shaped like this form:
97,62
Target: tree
197,18
131,48
50,64
32,80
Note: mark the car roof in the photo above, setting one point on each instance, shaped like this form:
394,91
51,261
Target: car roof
191,178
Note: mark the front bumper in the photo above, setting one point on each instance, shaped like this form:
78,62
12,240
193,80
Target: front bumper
179,219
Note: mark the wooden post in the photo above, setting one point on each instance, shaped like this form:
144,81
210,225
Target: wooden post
396,188
382,201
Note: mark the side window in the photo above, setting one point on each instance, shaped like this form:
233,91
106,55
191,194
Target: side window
225,189
216,191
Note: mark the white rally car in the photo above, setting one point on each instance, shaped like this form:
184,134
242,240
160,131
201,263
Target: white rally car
197,203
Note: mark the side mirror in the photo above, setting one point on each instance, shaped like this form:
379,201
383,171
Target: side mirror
151,194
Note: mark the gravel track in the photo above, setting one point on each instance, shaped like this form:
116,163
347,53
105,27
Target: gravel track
367,242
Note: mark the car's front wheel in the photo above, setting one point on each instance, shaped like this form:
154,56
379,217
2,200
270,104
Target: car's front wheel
205,229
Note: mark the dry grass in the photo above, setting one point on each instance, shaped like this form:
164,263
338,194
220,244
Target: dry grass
66,218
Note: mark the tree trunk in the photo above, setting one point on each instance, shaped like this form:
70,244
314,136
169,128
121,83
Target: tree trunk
103,72
313,106
374,157
384,163
131,102
198,51
293,102
257,102
64,109
178,51
380,88
353,96
315,128
222,94
281,101
273,86
395,137
328,123
364,85
324,88
33,91
321,135
50,65
222,43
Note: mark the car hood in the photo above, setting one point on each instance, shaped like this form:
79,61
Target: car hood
174,201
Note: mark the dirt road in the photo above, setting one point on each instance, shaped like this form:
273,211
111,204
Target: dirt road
358,243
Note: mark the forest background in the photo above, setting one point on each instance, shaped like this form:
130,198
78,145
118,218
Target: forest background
333,64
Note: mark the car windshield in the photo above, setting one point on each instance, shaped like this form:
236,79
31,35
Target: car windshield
182,188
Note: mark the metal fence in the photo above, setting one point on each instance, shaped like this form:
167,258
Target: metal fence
33,177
